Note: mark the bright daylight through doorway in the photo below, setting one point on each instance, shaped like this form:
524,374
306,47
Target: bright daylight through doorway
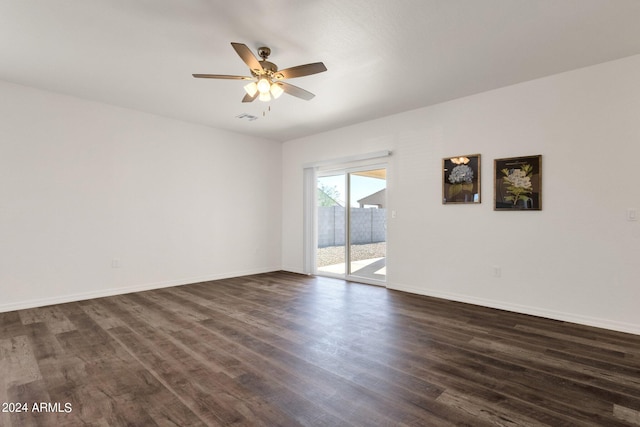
358,225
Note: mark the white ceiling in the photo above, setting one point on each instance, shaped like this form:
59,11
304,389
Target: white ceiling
383,56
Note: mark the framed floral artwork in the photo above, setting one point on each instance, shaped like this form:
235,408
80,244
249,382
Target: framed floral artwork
461,179
518,184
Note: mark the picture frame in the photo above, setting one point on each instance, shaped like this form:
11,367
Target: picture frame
461,179
518,183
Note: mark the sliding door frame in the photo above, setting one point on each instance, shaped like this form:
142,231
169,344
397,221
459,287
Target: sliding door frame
346,170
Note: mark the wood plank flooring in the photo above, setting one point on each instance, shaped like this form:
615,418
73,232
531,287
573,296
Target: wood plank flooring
282,349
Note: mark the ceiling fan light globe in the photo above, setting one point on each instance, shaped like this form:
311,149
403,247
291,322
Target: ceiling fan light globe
265,97
276,91
251,88
263,86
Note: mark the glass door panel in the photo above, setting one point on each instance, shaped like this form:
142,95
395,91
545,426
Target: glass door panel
367,224
331,250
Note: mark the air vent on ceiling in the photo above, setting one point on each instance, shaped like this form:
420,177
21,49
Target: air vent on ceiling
247,117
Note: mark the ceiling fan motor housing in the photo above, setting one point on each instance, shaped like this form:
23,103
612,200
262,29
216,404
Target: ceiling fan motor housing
269,69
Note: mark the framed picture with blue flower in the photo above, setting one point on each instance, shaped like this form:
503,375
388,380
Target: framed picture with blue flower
461,179
518,184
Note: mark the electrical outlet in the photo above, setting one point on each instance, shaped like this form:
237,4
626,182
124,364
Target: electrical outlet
632,214
115,263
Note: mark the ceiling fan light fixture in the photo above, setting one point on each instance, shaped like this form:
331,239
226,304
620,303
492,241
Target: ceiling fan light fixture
276,90
264,86
251,88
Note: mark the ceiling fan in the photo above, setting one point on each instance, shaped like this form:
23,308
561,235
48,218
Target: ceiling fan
266,79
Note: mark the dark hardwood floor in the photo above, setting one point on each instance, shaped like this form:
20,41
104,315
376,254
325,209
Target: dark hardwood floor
285,349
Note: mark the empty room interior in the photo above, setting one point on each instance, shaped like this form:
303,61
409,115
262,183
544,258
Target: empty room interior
320,213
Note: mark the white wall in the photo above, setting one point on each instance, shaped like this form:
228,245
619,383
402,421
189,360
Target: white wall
82,184
578,259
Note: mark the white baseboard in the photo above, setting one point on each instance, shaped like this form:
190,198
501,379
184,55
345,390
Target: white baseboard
516,308
41,302
294,270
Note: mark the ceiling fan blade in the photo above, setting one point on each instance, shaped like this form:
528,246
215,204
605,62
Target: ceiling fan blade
247,56
296,91
221,76
249,98
301,71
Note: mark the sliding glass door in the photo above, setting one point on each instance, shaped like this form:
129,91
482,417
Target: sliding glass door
351,221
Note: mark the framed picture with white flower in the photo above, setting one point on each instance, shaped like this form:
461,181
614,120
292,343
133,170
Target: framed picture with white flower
461,179
518,185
